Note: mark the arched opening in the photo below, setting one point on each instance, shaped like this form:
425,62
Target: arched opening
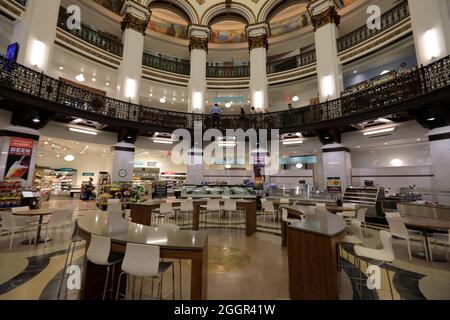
168,22
228,28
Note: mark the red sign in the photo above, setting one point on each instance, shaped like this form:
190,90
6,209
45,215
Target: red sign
19,158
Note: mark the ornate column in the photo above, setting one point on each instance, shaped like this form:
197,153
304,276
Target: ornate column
36,33
326,20
123,162
198,46
135,19
337,163
431,27
258,45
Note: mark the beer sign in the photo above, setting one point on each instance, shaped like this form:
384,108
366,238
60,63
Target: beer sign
19,159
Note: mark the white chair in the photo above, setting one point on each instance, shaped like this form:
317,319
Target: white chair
99,253
161,215
398,229
392,215
186,209
58,220
212,208
284,217
311,213
361,217
349,211
114,207
230,207
356,236
226,197
143,261
74,240
173,227
14,224
269,208
321,205
385,255
440,239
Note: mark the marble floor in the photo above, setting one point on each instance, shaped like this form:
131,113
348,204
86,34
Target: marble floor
239,268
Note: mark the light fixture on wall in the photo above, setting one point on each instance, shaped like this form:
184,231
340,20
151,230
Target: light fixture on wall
197,100
327,86
37,54
130,88
431,44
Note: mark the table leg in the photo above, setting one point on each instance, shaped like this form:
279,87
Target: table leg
196,217
38,239
423,256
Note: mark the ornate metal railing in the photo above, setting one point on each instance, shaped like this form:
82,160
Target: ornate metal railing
22,2
174,65
88,33
388,19
403,88
290,63
237,71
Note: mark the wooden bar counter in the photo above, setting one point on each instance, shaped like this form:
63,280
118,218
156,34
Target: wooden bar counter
313,254
142,213
188,245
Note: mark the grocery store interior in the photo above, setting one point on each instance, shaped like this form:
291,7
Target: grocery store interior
224,150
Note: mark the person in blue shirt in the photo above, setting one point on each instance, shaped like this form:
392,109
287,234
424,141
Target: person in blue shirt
216,112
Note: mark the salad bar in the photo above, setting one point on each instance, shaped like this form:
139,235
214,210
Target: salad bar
218,192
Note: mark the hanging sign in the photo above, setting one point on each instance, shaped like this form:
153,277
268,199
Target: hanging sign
334,185
19,159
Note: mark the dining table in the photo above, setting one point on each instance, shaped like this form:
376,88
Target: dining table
41,213
426,225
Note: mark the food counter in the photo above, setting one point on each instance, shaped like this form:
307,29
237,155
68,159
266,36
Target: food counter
217,192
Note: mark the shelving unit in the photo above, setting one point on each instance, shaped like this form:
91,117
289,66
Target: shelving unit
366,197
10,194
175,182
60,181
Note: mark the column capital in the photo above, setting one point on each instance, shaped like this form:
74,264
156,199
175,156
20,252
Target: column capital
135,15
324,12
199,37
258,35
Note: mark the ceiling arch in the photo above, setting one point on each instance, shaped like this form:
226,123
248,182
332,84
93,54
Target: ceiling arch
271,7
234,10
182,8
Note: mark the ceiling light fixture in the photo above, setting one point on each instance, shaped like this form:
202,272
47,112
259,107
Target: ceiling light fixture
431,119
161,141
299,165
295,98
80,77
291,142
36,120
162,100
92,133
378,131
69,158
227,105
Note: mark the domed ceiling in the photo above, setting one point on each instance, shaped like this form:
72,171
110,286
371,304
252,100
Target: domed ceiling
224,30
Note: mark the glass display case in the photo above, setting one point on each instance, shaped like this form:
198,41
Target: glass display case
217,192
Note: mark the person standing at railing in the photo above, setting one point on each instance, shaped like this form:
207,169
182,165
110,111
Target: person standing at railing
216,112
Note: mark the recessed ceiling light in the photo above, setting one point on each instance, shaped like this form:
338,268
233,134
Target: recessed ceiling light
58,156
419,139
40,155
299,165
162,100
92,133
357,147
228,166
295,98
355,72
431,119
93,79
69,158
61,68
386,143
174,99
36,120
107,84
396,162
227,105
377,131
45,142
384,72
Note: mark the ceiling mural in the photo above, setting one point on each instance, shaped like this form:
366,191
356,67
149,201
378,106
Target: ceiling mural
292,21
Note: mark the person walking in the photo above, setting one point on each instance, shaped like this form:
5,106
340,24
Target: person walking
216,112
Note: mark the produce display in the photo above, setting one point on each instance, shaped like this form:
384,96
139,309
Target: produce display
10,194
126,192
217,191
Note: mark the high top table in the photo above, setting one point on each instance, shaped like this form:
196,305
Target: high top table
188,245
142,212
313,256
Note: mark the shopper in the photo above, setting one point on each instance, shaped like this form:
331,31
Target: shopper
253,118
216,112
243,117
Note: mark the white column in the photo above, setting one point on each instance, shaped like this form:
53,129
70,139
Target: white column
123,162
134,24
431,27
329,70
439,141
12,139
198,47
258,45
36,33
337,163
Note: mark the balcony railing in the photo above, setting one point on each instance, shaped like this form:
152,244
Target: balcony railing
389,19
235,71
404,88
290,63
174,65
88,33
